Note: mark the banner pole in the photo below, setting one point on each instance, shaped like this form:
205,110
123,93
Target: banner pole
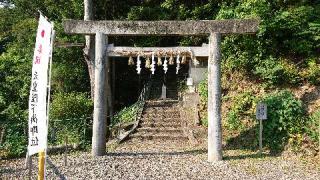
41,165
49,90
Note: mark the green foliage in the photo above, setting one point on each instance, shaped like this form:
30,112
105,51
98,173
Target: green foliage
182,85
203,90
70,105
56,11
271,72
69,77
242,106
313,126
69,115
127,114
277,72
145,13
288,31
312,71
15,143
204,121
15,137
313,32
203,93
15,71
285,118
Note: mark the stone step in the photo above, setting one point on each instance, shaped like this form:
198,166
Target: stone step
160,130
159,108
158,137
162,102
161,124
158,105
162,110
160,120
160,116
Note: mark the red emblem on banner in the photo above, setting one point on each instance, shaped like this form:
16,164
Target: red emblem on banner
42,33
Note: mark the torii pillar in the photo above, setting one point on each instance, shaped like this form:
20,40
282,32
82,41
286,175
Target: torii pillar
214,99
99,128
212,28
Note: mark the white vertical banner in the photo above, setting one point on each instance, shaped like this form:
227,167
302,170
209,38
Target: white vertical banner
38,128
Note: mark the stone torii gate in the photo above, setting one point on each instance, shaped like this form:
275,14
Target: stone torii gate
212,28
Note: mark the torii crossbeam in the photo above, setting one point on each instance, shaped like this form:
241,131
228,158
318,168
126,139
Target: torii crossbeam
211,28
162,28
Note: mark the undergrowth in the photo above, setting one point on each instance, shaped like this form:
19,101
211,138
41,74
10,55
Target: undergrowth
288,123
127,114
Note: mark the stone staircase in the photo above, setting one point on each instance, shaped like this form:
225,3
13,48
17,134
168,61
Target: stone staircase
160,121
160,127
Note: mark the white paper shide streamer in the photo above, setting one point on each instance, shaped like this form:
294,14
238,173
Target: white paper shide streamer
178,63
138,65
165,65
153,64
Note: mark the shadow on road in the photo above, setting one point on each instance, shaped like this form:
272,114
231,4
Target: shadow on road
55,169
246,156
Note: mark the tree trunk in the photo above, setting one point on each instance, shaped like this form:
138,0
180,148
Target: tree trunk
88,50
2,133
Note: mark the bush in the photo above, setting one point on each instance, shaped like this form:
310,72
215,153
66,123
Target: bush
127,114
242,106
285,118
71,105
15,144
69,114
14,125
313,126
312,71
203,93
203,90
277,72
270,71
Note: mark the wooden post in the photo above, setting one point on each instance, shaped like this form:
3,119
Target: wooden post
214,99
99,112
260,136
66,151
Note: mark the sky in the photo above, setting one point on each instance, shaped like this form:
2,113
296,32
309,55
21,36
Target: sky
3,4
